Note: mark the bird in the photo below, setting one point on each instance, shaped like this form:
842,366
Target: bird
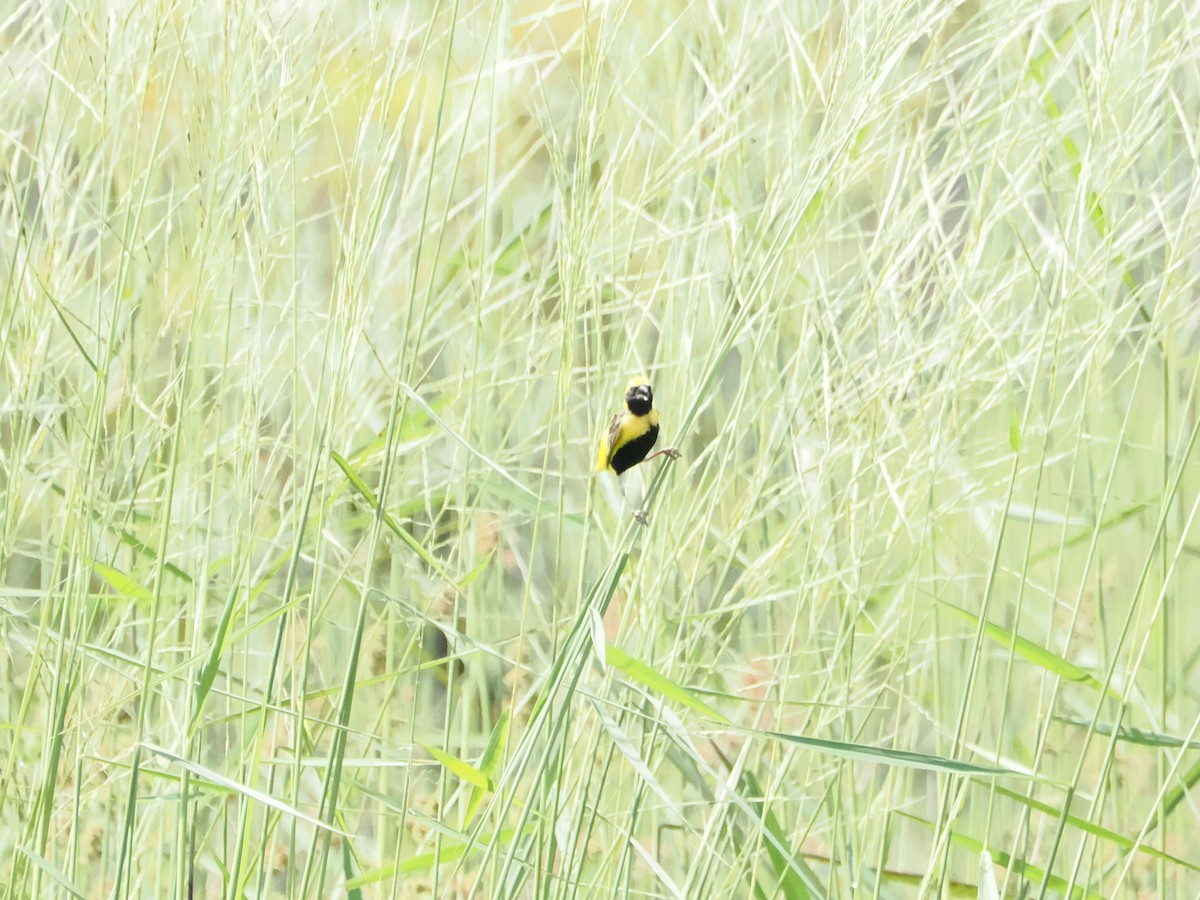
631,435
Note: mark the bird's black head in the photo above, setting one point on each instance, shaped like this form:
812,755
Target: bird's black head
640,399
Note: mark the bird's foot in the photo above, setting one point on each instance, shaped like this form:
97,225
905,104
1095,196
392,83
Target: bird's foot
669,451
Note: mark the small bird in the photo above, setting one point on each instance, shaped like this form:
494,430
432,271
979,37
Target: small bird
631,435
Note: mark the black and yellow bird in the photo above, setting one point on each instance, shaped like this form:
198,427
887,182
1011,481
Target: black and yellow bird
632,434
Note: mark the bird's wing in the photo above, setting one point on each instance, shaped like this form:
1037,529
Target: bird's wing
614,431
610,440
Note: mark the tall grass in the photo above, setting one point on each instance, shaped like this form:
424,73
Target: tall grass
311,316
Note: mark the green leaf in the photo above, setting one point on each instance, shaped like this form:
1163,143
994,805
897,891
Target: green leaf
643,673
1084,825
1182,790
212,665
478,570
449,852
128,538
122,583
55,874
489,764
1014,431
1033,653
1085,534
367,494
1136,736
229,784
639,671
788,866
348,868
461,768
497,741
1026,870
891,757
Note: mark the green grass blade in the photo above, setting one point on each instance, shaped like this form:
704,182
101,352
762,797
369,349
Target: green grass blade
1034,653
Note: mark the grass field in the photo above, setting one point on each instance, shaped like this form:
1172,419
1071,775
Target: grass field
311,317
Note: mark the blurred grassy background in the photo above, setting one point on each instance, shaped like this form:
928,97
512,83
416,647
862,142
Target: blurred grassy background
311,316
